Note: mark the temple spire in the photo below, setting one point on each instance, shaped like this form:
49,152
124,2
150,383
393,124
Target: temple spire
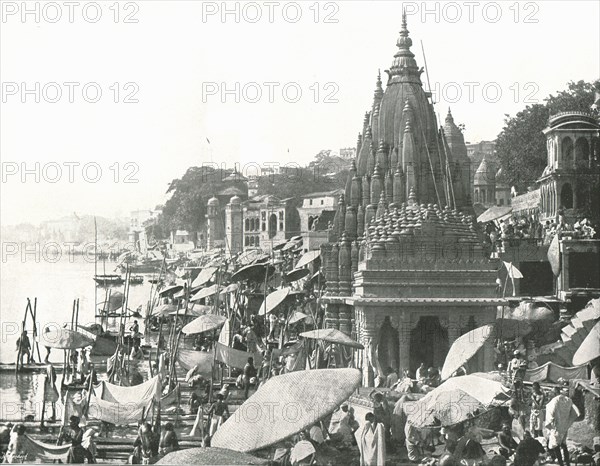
404,67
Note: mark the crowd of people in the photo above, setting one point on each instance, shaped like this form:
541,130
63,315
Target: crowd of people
502,233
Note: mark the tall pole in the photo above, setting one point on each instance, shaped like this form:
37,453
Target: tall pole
96,266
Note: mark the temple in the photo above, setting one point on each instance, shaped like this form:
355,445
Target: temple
405,270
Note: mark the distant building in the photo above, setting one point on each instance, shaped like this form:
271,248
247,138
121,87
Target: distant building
316,213
137,230
348,153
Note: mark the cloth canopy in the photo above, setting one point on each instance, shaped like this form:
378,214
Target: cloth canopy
191,358
123,405
62,338
43,452
235,358
551,372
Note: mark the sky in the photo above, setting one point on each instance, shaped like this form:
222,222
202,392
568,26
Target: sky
104,103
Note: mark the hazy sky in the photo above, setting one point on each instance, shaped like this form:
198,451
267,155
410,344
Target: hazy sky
303,74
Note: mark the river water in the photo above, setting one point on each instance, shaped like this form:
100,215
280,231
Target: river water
55,284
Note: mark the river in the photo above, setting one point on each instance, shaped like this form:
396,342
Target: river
55,284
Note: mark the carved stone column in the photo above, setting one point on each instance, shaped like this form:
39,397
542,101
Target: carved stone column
404,332
369,338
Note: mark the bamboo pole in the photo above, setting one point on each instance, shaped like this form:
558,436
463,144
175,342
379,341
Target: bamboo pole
35,342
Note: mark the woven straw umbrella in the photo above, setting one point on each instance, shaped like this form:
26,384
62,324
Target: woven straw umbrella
285,405
210,456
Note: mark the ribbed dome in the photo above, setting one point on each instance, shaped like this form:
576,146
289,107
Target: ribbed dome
235,200
213,202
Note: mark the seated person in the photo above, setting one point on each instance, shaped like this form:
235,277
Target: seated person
528,450
507,443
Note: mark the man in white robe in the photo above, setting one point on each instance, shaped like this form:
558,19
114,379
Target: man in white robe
560,414
371,442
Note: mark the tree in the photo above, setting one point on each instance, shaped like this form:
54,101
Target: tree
521,145
186,209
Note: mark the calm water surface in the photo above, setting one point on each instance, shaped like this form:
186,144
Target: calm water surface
55,285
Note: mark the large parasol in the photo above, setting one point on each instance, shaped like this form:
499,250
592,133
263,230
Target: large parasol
464,348
204,323
589,348
332,335
273,300
254,272
170,290
494,213
308,258
194,310
205,293
204,276
296,274
297,316
456,400
210,456
164,309
62,338
285,405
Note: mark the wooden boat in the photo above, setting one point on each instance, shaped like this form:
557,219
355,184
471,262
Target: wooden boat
136,280
108,279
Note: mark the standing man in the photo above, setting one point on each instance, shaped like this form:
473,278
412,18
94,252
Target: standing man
561,413
23,348
218,412
536,418
421,372
249,374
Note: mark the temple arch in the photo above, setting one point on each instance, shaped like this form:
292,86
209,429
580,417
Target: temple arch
566,196
567,151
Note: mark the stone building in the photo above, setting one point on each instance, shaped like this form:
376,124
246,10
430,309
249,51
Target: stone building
569,182
405,269
260,222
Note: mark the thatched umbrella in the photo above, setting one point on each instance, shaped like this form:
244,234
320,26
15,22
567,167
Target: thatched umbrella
210,456
465,347
332,335
204,323
285,405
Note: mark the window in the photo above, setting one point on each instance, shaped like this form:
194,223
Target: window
322,202
500,201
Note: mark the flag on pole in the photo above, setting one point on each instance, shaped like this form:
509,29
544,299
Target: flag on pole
513,272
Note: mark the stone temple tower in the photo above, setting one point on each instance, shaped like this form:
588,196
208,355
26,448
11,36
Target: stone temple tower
234,232
213,224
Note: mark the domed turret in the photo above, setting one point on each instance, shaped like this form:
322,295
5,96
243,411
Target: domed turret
213,202
485,174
